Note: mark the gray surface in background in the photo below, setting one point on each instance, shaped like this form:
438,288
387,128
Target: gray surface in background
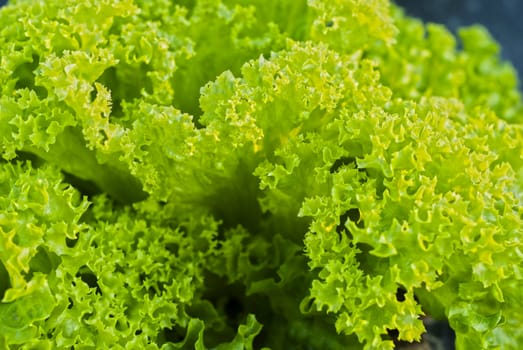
503,18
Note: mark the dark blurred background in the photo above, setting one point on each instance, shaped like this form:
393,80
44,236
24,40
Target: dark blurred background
503,18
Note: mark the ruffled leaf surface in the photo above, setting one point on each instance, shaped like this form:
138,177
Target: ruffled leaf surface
234,174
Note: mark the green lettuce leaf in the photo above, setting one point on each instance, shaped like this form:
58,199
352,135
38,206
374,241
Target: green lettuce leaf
244,174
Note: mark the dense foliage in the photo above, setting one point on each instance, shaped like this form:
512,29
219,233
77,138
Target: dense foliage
239,174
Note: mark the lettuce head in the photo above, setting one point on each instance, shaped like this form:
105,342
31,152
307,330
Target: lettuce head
247,174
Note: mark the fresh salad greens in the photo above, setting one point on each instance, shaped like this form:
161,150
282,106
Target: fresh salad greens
246,174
